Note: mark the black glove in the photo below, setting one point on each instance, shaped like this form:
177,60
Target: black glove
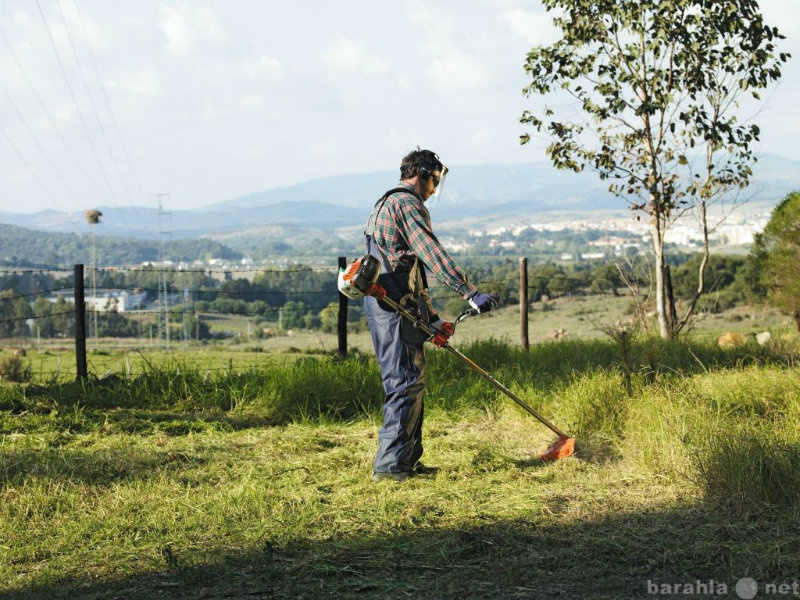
484,302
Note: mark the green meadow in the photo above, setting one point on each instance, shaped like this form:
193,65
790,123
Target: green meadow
169,479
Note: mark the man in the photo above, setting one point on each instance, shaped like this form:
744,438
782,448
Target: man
399,234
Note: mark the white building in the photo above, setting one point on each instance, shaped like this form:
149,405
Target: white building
107,300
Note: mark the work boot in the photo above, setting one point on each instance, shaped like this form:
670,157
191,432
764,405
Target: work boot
399,476
420,469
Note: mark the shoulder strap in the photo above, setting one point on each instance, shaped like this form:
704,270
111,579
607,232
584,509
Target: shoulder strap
417,280
370,228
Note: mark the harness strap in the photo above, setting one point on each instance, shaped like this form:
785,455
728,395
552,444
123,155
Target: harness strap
370,228
416,281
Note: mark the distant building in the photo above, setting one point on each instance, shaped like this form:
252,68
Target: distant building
108,300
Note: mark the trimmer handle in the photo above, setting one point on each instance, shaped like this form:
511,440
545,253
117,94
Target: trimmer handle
470,312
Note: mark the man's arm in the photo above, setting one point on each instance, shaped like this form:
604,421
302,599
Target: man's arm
426,246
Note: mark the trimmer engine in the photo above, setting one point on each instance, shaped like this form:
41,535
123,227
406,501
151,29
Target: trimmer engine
361,279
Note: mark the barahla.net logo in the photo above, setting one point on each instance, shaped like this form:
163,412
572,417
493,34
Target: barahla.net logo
745,588
709,587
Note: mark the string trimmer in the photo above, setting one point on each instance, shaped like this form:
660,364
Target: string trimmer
361,279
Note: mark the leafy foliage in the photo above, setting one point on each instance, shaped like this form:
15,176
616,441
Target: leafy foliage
656,84
777,251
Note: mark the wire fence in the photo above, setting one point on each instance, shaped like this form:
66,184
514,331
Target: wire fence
182,294
150,307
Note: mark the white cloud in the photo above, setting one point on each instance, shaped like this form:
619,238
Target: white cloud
453,71
21,20
82,27
251,101
535,27
64,113
480,139
450,68
323,149
404,82
187,28
264,68
141,82
435,22
345,55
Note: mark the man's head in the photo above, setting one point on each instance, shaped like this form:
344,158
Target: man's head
424,170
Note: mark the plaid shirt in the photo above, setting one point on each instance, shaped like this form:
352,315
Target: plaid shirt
403,231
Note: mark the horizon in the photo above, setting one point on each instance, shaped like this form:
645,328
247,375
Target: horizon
298,184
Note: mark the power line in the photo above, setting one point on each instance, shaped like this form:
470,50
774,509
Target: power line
49,116
96,114
125,153
36,141
38,180
54,124
74,99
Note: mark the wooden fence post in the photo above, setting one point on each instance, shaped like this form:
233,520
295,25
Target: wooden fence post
341,328
523,303
80,324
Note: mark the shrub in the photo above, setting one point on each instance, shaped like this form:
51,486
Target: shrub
14,369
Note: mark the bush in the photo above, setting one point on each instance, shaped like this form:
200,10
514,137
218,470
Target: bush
14,369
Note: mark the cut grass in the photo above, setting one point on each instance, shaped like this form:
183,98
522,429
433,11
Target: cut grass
177,483
291,512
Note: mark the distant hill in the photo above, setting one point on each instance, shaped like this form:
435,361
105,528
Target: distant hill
332,210
21,247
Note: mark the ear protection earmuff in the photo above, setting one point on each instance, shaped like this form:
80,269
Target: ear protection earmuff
427,166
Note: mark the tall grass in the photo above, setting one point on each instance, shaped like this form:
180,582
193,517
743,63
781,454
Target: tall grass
752,468
225,483
674,409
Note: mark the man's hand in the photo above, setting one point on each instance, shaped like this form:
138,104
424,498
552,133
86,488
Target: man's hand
445,330
484,302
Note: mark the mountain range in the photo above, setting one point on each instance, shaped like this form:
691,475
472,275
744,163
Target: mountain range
340,205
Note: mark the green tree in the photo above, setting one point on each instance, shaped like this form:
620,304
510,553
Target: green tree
541,278
720,273
63,316
14,312
45,325
778,251
292,315
329,318
649,90
114,324
605,278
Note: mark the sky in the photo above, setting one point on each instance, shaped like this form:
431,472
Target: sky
140,102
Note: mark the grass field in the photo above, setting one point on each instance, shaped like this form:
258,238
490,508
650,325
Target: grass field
578,317
187,477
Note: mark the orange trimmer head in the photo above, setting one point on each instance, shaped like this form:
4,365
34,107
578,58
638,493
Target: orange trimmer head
562,448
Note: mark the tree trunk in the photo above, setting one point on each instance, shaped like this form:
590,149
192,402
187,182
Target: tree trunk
664,321
671,310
